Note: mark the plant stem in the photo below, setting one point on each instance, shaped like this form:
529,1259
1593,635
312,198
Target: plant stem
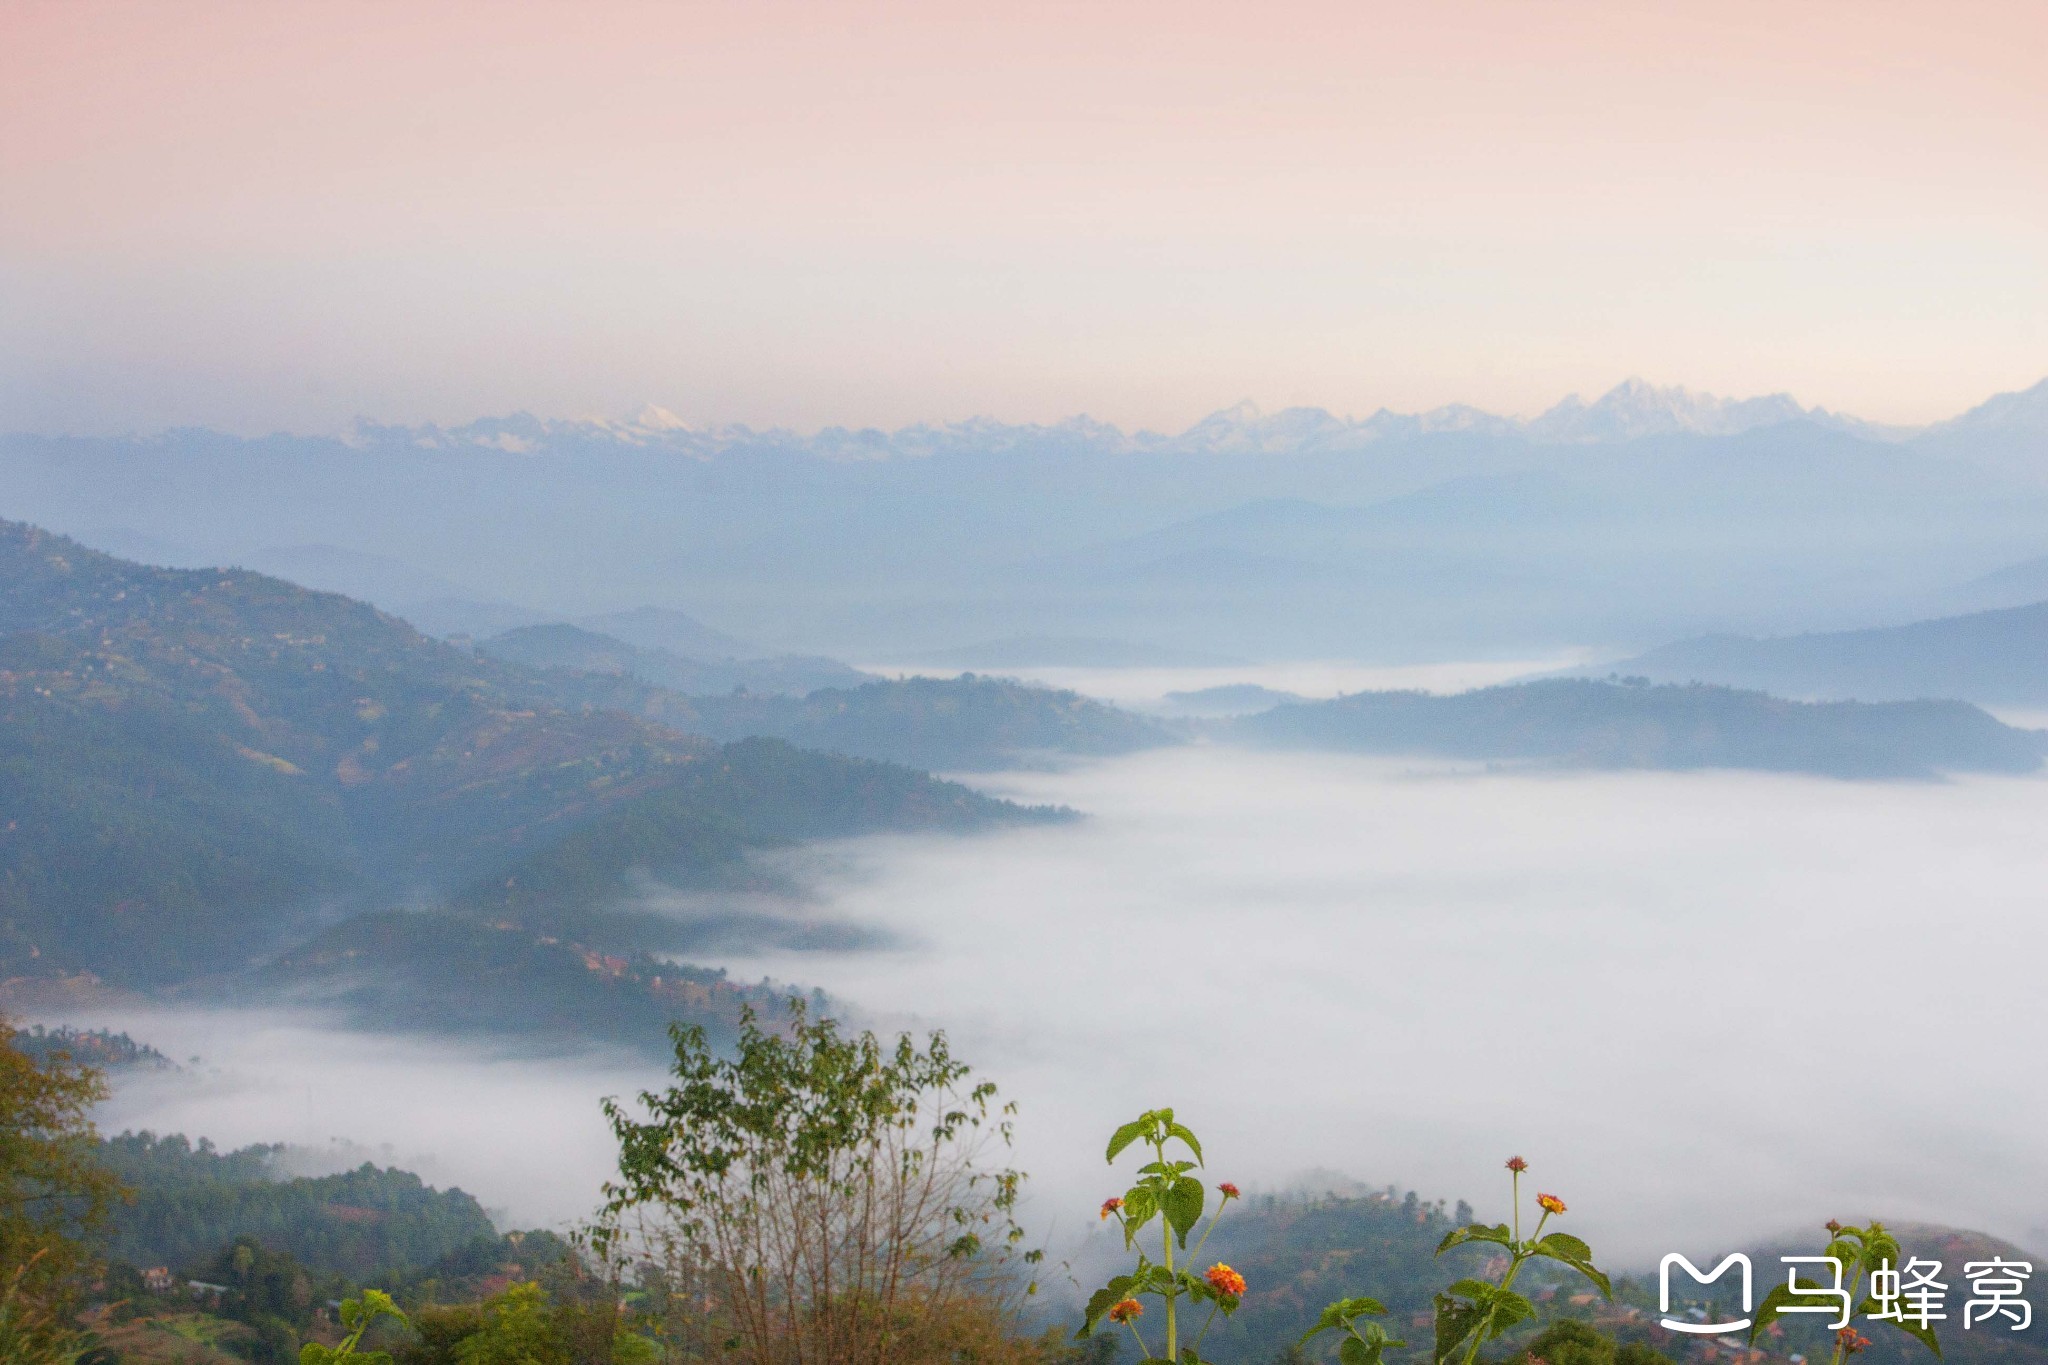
1172,1285
1516,1257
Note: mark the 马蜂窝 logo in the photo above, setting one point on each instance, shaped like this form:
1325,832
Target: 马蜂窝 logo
1704,1328
1911,1294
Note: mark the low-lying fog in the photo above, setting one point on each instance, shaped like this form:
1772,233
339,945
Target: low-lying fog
523,1135
1704,1006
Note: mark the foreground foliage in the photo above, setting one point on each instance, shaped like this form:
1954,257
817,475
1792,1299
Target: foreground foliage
818,1196
1469,1313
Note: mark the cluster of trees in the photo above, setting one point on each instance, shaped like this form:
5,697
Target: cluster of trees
802,1194
187,1201
101,1048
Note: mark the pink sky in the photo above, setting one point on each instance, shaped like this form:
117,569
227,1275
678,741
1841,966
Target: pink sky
285,214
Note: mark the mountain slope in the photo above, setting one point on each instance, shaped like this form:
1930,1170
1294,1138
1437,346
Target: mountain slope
1577,723
567,646
196,765
940,723
1996,657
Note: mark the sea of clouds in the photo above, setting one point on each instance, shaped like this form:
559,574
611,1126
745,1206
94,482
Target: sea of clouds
1706,1007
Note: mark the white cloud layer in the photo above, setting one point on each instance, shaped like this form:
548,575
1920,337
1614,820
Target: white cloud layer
1704,1006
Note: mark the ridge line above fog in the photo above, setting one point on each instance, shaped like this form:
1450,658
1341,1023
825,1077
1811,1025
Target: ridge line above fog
1630,410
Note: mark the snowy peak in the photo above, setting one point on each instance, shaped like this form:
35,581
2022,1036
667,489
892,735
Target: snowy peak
1631,410
2025,411
1246,429
1635,408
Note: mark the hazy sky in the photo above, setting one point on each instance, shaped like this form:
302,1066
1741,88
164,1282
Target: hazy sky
255,215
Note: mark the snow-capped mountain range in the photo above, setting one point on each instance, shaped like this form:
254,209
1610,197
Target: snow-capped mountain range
1632,410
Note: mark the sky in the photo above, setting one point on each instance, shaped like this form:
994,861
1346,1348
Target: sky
257,216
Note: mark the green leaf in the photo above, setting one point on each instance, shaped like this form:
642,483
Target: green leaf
1139,1206
1101,1301
1477,1232
1773,1306
1180,1131
1456,1320
1128,1134
1569,1250
1505,1309
1183,1205
1343,1311
1368,1347
1920,1332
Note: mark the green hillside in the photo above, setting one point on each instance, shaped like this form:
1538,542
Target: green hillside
198,767
190,1201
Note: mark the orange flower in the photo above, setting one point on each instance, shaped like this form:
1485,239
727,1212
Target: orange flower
1125,1309
1550,1203
1851,1340
1111,1205
1225,1281
1517,1165
1228,1190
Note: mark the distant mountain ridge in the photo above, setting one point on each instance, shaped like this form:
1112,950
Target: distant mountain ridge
1992,657
1642,516
1584,724
1632,409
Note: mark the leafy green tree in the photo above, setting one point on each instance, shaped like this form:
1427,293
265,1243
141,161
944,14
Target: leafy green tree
34,1331
53,1191
813,1196
270,1293
515,1328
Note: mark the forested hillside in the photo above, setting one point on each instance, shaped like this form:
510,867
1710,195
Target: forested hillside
567,646
1624,725
190,1201
199,766
947,724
